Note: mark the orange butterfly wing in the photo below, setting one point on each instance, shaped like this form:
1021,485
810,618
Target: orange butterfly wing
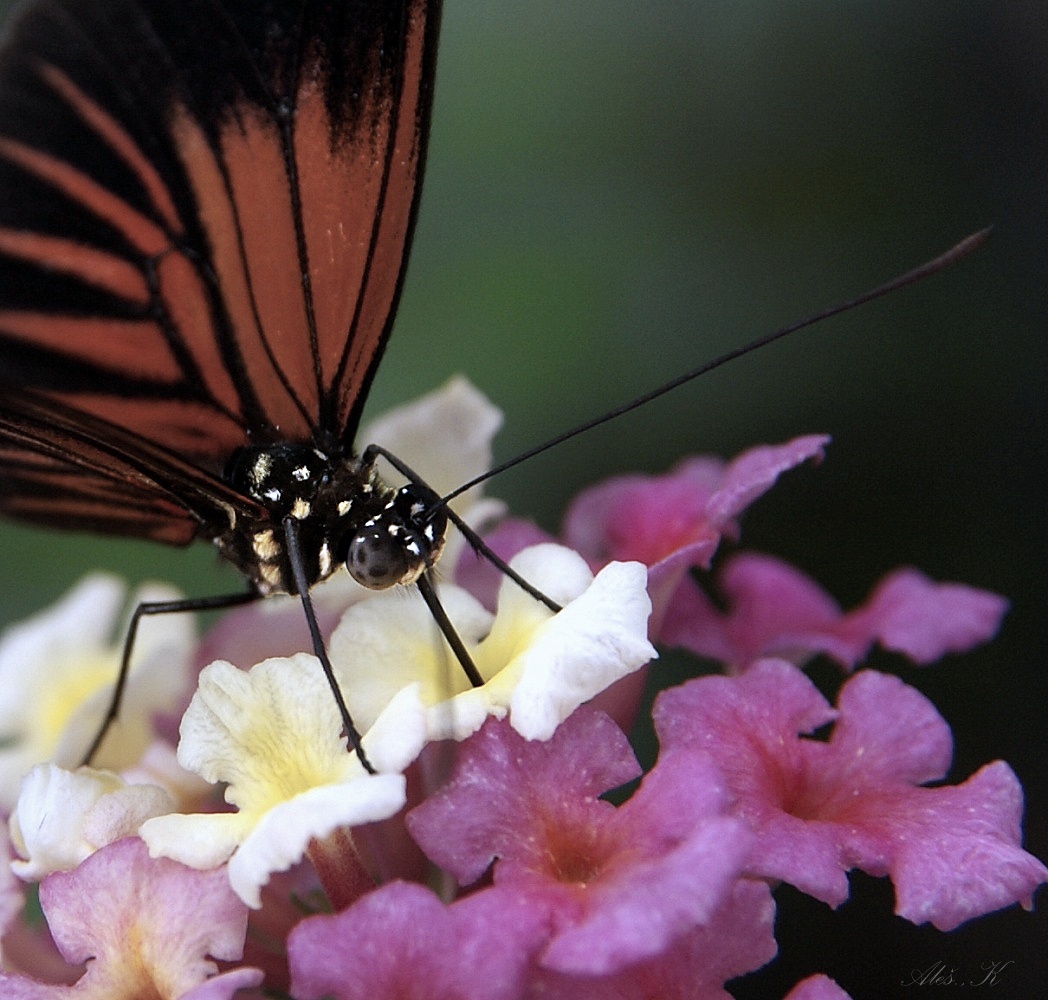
205,210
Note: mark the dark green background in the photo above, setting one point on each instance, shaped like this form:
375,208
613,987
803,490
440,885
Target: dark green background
619,191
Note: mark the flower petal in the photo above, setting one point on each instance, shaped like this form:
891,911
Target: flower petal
63,817
137,922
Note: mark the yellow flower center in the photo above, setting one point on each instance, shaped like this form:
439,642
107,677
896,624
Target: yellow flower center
70,683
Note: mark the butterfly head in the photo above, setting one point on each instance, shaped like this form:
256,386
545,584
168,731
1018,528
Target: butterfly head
343,513
401,542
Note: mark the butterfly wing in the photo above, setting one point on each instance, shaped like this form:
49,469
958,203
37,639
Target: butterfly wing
205,209
64,467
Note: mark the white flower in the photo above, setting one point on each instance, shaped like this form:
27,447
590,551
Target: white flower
538,666
63,662
445,436
272,734
63,817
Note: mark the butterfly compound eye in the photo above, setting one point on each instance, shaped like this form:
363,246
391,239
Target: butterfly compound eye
377,558
398,545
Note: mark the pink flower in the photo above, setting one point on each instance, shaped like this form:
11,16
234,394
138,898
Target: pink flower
737,939
775,610
854,801
401,941
817,988
669,522
619,884
653,518
145,927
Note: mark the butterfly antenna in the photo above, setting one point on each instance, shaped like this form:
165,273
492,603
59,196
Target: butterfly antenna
940,263
372,451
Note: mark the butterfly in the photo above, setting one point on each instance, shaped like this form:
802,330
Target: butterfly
205,215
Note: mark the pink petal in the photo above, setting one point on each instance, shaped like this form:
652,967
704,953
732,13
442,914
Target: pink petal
498,780
618,884
755,471
649,518
821,808
644,518
737,939
817,988
775,610
888,731
125,910
401,941
924,620
750,726
952,853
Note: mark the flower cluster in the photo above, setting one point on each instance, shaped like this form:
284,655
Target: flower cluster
481,855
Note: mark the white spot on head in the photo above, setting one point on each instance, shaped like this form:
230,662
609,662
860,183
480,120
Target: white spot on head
344,507
272,494
300,509
301,473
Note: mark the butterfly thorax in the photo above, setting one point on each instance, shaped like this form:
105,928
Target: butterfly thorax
340,511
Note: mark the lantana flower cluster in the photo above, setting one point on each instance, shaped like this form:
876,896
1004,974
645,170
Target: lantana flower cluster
249,854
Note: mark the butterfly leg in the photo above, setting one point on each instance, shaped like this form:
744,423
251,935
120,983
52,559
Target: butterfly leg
155,608
485,551
440,616
294,551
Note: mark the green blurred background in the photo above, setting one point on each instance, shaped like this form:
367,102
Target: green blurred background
617,192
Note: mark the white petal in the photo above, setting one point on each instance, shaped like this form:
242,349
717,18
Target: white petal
62,817
82,619
280,839
539,666
461,716
444,436
64,662
390,640
269,732
273,733
199,840
398,734
594,641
